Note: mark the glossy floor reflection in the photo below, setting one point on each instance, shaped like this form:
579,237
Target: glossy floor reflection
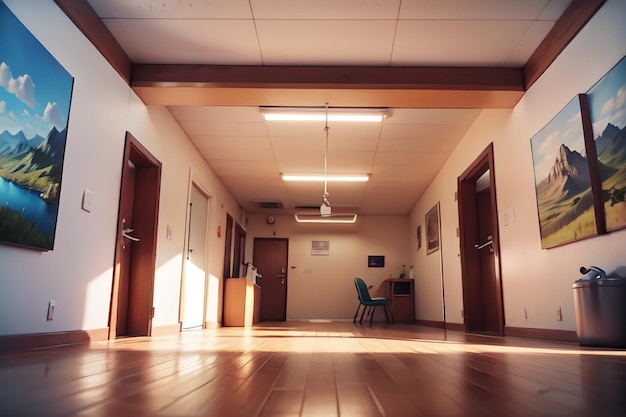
316,369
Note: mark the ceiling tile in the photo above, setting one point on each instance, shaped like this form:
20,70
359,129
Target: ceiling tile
172,9
528,44
457,43
326,42
325,9
231,142
217,114
198,128
432,116
221,42
473,9
252,155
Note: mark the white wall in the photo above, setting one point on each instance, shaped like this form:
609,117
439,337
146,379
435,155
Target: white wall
77,274
540,280
328,291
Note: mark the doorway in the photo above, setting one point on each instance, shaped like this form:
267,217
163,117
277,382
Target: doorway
194,283
270,258
131,311
480,252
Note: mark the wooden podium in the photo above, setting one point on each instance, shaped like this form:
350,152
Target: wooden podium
400,292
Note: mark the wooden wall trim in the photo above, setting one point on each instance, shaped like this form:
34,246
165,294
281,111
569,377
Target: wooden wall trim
457,327
22,342
90,24
545,334
431,323
565,29
167,330
528,333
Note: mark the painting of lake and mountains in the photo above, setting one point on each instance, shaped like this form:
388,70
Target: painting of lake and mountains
563,183
35,95
607,105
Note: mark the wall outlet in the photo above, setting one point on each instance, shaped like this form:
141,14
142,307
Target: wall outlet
51,306
559,314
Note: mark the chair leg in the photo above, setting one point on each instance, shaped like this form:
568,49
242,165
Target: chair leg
372,315
357,312
390,313
362,314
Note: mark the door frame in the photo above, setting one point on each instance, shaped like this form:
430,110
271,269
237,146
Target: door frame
469,236
143,257
194,180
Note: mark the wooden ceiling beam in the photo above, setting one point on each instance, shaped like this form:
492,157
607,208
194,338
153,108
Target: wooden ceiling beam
396,86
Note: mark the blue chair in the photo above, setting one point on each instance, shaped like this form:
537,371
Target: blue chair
370,303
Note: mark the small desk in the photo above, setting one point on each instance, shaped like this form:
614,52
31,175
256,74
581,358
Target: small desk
400,292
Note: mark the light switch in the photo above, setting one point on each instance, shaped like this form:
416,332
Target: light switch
87,201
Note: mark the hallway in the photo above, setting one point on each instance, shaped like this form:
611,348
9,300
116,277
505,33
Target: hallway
316,369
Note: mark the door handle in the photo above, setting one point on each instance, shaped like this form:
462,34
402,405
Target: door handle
125,233
489,243
127,230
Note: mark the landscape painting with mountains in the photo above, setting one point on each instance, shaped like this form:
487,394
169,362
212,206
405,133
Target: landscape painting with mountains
35,95
562,179
562,170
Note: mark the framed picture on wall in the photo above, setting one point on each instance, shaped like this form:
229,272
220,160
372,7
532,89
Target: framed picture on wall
35,95
419,237
607,108
563,178
376,261
432,229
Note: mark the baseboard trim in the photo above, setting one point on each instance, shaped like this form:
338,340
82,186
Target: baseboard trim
529,333
431,323
22,342
167,330
457,327
545,334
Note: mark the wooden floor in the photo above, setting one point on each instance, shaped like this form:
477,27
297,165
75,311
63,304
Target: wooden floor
315,369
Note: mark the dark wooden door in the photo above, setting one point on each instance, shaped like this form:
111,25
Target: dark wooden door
480,261
125,246
270,259
135,252
489,293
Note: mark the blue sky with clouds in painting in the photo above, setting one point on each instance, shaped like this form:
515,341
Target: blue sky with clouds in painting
564,129
35,90
607,100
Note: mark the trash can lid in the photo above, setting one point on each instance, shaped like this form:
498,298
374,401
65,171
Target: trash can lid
601,282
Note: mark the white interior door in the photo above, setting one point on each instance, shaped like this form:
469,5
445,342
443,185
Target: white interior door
194,282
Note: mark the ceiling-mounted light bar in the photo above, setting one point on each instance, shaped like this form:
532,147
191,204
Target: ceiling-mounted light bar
335,114
332,218
320,178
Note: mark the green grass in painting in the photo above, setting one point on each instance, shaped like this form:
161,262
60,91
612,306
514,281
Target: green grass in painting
583,226
14,228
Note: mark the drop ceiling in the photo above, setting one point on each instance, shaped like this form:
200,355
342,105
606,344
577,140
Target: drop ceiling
214,63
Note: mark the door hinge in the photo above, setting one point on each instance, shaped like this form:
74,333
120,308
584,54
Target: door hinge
152,313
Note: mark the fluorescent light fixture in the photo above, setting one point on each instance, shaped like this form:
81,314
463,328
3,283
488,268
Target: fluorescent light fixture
329,178
335,114
332,218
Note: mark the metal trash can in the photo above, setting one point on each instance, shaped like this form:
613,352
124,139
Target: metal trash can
600,305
